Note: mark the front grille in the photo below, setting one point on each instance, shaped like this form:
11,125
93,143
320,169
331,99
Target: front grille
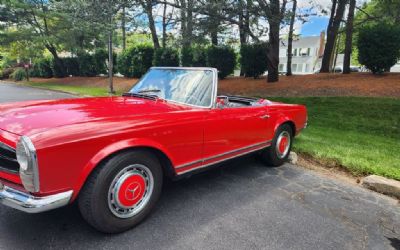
8,159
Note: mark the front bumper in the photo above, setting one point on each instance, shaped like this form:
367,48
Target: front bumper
32,204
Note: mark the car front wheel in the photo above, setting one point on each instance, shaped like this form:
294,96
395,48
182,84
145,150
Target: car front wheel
121,192
279,151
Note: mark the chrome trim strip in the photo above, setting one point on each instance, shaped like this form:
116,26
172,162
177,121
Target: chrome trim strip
8,170
222,160
223,154
31,204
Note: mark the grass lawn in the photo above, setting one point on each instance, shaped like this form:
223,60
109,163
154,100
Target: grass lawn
359,133
74,89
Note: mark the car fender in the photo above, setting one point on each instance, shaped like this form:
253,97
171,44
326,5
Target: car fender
281,120
111,149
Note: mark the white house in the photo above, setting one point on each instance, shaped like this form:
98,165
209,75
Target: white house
307,54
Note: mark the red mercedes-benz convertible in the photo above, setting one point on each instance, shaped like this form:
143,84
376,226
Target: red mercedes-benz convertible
111,154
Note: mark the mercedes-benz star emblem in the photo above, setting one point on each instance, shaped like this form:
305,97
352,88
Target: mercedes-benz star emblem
133,191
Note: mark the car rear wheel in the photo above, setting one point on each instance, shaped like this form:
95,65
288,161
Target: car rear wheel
279,151
121,192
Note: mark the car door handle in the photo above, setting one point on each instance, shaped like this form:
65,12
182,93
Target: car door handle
264,116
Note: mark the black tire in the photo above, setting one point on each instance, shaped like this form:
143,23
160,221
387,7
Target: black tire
94,202
271,155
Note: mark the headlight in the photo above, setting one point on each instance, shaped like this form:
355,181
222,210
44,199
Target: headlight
27,159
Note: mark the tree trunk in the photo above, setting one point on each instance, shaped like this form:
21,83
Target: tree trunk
149,11
349,38
214,37
290,40
110,61
164,26
331,36
273,51
123,28
59,63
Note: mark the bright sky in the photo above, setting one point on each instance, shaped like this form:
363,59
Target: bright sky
314,26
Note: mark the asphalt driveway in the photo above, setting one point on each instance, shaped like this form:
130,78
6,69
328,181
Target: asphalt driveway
241,205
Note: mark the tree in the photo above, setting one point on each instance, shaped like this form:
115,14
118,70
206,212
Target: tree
372,54
274,12
332,31
290,39
38,21
147,6
349,38
100,13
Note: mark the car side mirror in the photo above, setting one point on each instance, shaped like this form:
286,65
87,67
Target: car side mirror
222,102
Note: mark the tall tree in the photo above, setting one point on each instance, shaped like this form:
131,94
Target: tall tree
332,32
38,21
147,6
290,39
349,38
274,12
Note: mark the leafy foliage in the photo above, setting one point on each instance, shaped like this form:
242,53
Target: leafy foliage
19,74
135,61
166,57
253,59
223,58
194,56
42,68
372,53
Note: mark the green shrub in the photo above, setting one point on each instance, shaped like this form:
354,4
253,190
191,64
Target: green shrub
379,47
58,68
223,58
135,61
166,57
253,59
19,74
195,56
100,58
72,66
7,72
87,65
41,68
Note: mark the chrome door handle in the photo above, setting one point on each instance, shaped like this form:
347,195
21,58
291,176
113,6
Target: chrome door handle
264,116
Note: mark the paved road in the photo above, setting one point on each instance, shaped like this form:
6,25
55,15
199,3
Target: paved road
12,93
242,205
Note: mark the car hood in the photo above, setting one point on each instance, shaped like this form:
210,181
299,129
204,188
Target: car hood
27,118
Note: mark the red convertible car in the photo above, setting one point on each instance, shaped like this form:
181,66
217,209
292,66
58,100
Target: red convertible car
111,154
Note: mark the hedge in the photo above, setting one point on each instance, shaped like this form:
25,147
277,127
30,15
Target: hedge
253,59
195,56
42,68
166,57
223,58
135,61
372,54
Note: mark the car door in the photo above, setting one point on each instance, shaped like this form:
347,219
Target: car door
230,132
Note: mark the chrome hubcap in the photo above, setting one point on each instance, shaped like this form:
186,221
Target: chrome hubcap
130,191
283,144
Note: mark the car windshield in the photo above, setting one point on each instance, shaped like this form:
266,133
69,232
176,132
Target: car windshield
187,86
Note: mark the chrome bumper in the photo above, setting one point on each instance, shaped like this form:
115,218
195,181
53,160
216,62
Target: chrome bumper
32,204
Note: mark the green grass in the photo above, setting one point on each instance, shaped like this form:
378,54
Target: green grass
362,134
78,90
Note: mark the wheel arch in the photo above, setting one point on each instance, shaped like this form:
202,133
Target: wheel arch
283,121
117,148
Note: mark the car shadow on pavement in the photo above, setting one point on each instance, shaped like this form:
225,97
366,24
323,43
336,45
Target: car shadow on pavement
184,207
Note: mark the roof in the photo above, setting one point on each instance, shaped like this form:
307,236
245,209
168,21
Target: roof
302,42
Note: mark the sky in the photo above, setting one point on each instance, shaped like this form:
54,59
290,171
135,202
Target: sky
314,26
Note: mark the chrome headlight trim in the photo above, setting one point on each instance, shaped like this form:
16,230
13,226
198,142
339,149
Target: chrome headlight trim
28,171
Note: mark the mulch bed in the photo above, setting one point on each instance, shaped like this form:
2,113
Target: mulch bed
355,84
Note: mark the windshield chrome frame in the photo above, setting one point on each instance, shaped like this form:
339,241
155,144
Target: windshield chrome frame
214,83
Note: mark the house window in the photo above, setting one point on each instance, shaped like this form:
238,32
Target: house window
281,67
295,52
307,68
294,67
